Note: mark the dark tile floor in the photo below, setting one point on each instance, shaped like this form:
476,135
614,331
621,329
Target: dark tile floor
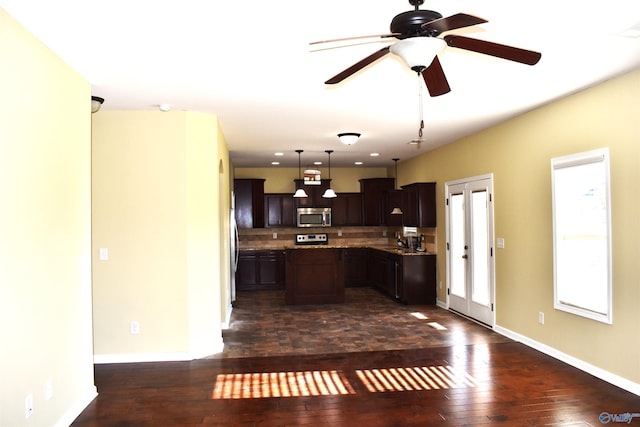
263,325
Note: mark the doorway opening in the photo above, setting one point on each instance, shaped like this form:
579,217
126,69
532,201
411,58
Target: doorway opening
469,248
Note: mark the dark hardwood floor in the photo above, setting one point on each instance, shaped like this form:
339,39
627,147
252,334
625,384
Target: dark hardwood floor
368,362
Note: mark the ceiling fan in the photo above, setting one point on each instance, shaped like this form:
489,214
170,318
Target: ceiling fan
418,45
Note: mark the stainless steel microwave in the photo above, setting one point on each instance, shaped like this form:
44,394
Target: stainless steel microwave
314,217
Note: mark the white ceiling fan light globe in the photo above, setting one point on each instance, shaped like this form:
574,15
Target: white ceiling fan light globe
418,52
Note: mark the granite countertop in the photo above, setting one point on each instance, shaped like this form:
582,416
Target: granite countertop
390,249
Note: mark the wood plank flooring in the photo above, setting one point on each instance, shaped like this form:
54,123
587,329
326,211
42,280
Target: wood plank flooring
290,372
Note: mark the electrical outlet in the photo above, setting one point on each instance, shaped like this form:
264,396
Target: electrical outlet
384,233
28,406
134,328
340,233
440,284
104,254
275,235
541,318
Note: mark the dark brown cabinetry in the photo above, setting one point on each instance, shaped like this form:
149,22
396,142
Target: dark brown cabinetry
279,210
410,279
260,270
355,267
314,276
249,195
346,210
419,204
375,200
315,192
382,272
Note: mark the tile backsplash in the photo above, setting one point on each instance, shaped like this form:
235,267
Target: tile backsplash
278,238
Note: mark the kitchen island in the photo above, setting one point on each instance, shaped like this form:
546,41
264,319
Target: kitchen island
316,274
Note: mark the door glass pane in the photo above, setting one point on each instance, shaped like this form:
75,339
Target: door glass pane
457,245
480,248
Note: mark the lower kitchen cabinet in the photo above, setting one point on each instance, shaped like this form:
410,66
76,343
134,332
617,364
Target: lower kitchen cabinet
355,267
260,270
410,279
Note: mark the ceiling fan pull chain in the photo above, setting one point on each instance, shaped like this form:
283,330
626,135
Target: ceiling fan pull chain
420,107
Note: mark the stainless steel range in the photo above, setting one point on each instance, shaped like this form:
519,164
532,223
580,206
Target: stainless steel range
312,239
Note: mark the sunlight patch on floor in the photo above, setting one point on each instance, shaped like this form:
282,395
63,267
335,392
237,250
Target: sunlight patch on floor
281,384
419,315
417,378
333,383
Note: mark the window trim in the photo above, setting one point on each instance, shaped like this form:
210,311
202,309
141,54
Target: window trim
577,160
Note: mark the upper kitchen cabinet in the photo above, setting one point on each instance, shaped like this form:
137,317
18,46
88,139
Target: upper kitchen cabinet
249,195
279,210
347,210
419,204
315,192
375,200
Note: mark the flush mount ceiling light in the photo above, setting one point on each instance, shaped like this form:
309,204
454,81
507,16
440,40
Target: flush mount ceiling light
164,107
300,191
96,103
329,193
348,138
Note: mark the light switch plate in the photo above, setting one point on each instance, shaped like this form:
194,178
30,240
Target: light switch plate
500,243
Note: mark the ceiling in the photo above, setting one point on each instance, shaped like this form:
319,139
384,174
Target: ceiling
250,63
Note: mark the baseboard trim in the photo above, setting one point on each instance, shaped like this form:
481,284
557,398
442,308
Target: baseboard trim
76,409
442,304
227,322
597,372
100,359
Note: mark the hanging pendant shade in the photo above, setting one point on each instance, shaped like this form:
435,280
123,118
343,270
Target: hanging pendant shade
300,191
396,210
329,193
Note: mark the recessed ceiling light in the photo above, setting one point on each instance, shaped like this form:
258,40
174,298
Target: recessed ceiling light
374,154
358,163
279,154
317,163
275,163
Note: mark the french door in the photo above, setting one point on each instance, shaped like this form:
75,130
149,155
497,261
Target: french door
470,266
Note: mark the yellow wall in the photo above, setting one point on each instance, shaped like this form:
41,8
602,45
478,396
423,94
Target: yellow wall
518,153
45,269
280,180
156,207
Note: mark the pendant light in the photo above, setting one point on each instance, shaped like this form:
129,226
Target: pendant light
329,193
396,210
300,191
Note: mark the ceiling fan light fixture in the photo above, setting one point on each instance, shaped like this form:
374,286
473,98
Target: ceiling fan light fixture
418,52
348,138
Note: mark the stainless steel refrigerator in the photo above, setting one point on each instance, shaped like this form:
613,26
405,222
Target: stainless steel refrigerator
233,239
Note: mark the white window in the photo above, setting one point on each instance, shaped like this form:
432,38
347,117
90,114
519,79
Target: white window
582,234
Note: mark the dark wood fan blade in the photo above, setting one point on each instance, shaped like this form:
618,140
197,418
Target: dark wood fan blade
357,66
516,54
381,36
459,20
435,79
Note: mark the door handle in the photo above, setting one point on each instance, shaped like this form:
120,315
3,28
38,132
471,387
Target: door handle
464,256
